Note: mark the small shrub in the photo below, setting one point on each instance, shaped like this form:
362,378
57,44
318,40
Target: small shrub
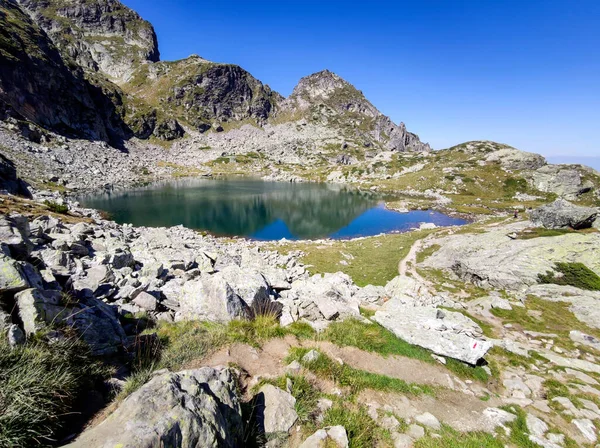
55,207
572,274
513,185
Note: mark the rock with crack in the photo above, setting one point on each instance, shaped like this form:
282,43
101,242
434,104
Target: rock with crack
17,275
445,333
562,214
191,408
275,410
211,299
14,234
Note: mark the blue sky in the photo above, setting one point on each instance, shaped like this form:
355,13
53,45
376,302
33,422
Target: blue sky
525,73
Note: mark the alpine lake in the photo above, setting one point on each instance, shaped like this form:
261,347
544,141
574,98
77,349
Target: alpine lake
261,210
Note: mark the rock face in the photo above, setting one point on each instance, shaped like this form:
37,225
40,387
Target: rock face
276,410
9,181
562,214
100,35
37,83
326,97
191,408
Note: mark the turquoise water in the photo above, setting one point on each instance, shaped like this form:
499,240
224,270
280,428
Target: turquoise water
260,210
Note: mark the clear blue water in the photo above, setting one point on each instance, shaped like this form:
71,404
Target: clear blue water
261,210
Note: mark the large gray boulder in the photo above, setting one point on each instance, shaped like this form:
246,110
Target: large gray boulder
277,409
210,298
562,214
95,322
189,409
247,283
445,333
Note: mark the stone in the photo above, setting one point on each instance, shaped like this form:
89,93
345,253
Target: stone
293,368
415,431
249,285
14,234
39,308
561,214
210,299
536,426
185,409
329,436
451,337
146,301
429,420
276,409
311,356
499,417
15,335
587,429
402,440
12,276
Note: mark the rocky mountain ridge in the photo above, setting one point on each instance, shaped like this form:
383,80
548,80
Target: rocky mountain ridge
139,96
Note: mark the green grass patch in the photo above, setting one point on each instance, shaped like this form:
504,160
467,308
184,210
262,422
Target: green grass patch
540,232
362,430
572,274
39,384
374,338
55,207
368,261
427,252
450,438
355,379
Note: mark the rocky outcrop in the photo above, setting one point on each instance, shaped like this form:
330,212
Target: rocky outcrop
99,35
566,181
327,98
492,259
9,182
562,214
185,409
46,89
202,93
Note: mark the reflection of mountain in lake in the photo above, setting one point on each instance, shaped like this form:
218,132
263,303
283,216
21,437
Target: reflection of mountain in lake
238,207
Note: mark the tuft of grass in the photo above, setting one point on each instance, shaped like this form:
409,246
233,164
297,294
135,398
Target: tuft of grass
39,383
450,438
55,207
372,337
362,430
355,379
572,274
540,232
305,393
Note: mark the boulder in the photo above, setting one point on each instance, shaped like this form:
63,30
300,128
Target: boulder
249,284
38,308
210,299
275,409
192,408
448,333
17,275
332,436
562,214
14,234
145,301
